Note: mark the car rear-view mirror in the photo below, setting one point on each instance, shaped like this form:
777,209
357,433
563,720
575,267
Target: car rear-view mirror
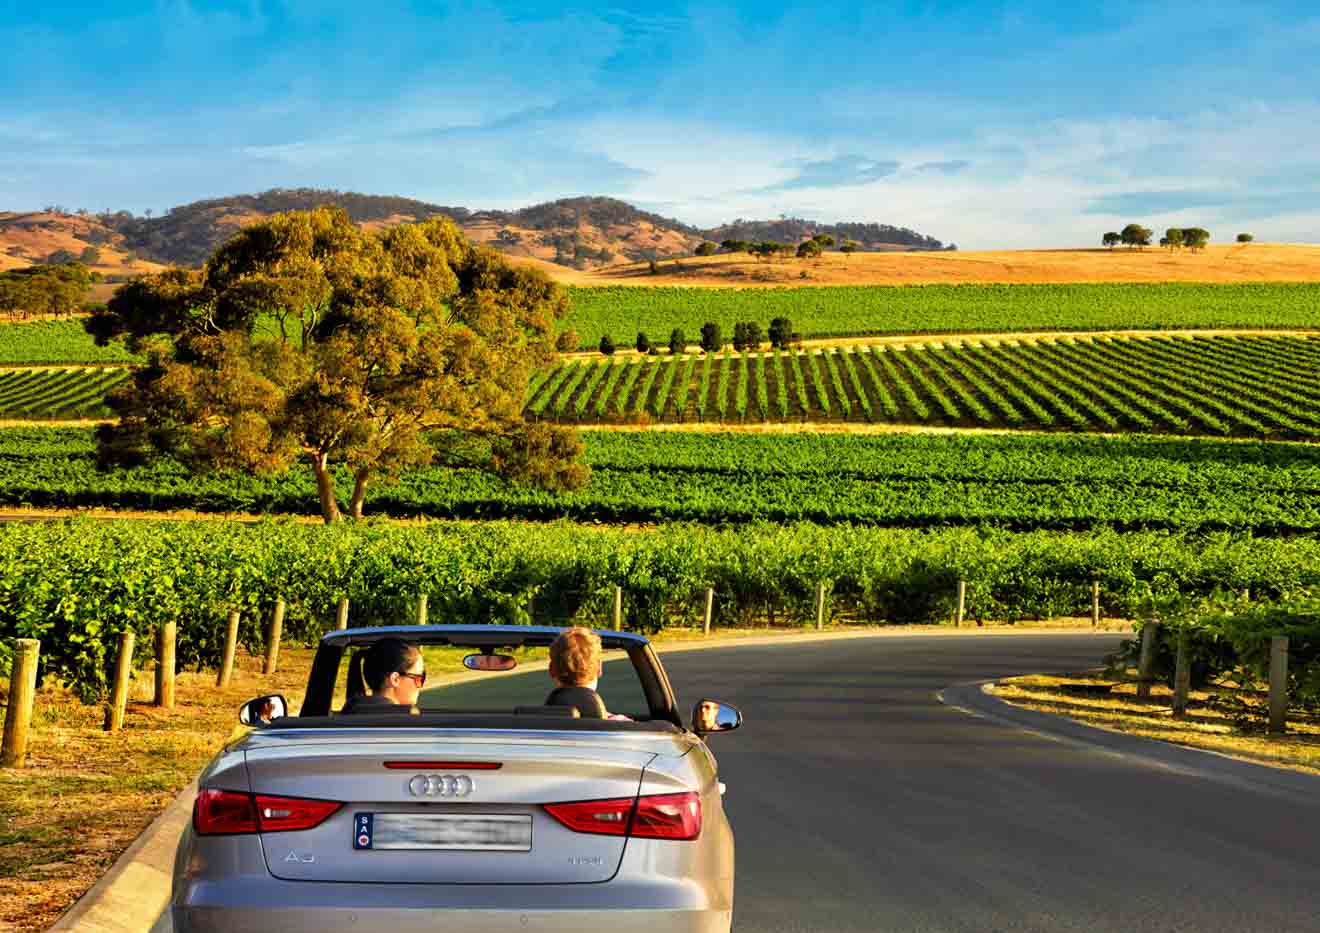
263,710
490,662
713,716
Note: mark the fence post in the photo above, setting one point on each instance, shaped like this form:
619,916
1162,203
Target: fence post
710,604
341,614
421,608
231,647
1182,676
618,608
114,715
1146,666
166,638
820,606
1278,684
962,602
22,694
273,638
1095,603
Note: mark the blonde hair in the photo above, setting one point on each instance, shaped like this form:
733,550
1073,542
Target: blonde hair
575,656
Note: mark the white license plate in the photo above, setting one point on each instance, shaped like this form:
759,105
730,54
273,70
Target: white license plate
488,832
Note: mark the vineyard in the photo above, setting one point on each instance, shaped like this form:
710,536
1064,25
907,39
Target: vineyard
71,392
1022,482
859,311
1253,386
47,342
76,585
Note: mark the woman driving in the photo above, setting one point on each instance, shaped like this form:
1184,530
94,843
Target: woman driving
392,669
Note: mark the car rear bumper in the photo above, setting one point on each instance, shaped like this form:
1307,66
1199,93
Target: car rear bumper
272,906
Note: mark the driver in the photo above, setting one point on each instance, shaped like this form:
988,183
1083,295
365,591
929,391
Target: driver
393,670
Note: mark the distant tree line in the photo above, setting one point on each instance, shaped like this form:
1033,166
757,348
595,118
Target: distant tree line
47,289
1135,236
747,335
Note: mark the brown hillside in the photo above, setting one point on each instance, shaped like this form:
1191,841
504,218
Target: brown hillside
1253,262
35,238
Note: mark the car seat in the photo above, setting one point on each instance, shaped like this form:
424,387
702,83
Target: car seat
587,701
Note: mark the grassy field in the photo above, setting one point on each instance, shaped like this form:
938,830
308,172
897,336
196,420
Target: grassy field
1255,262
1018,481
1243,386
1221,718
843,311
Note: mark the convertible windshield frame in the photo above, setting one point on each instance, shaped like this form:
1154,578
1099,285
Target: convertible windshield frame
332,647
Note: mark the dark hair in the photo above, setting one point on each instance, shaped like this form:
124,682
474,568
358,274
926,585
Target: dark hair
369,668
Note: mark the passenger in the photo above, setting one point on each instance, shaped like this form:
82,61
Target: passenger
575,666
393,670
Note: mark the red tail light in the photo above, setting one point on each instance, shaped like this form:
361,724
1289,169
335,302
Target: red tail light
224,811
660,816
227,812
668,816
601,817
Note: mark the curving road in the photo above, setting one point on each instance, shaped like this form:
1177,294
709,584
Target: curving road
861,802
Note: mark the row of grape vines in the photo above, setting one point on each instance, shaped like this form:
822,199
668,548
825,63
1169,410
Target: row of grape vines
866,310
77,585
1055,481
57,393
1255,386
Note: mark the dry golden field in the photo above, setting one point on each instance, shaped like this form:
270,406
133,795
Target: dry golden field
1253,262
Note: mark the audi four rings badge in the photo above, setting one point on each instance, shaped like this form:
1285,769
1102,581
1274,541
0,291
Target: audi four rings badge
440,785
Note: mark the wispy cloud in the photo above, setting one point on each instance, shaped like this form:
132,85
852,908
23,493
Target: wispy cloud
840,172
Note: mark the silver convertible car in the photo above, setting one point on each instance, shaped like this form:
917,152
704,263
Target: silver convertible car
481,808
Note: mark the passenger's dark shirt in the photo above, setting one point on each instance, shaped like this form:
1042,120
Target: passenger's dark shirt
373,704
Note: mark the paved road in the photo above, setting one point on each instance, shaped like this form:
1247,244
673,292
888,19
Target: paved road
860,802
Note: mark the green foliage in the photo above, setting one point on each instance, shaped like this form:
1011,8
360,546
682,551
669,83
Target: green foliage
1249,386
706,248
711,338
1195,238
1245,237
1136,235
55,288
1173,238
857,311
371,342
1058,481
1111,239
809,249
677,341
51,342
57,393
643,342
606,345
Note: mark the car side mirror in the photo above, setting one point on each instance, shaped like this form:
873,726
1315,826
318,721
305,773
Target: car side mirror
713,716
263,710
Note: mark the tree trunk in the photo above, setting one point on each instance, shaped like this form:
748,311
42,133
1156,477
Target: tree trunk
359,492
325,486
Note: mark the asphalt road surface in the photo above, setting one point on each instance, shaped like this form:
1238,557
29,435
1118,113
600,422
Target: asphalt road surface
860,802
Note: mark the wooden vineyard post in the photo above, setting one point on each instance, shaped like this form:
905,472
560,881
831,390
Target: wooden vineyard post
820,606
1278,684
962,602
421,608
273,638
114,715
1182,676
231,648
166,639
1095,603
341,614
710,604
22,695
1146,665
618,608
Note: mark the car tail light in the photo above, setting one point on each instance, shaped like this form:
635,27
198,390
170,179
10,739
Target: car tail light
668,816
602,817
224,811
227,812
282,814
660,816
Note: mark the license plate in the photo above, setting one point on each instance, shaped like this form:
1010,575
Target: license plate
487,832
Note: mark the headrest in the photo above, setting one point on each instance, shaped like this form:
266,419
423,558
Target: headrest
588,702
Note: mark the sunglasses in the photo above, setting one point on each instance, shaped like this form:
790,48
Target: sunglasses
418,679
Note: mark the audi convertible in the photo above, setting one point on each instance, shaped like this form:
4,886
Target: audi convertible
484,806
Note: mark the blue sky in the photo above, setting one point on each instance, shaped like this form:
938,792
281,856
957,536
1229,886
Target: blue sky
988,124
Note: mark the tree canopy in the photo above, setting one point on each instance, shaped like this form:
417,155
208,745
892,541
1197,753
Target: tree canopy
49,289
306,339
